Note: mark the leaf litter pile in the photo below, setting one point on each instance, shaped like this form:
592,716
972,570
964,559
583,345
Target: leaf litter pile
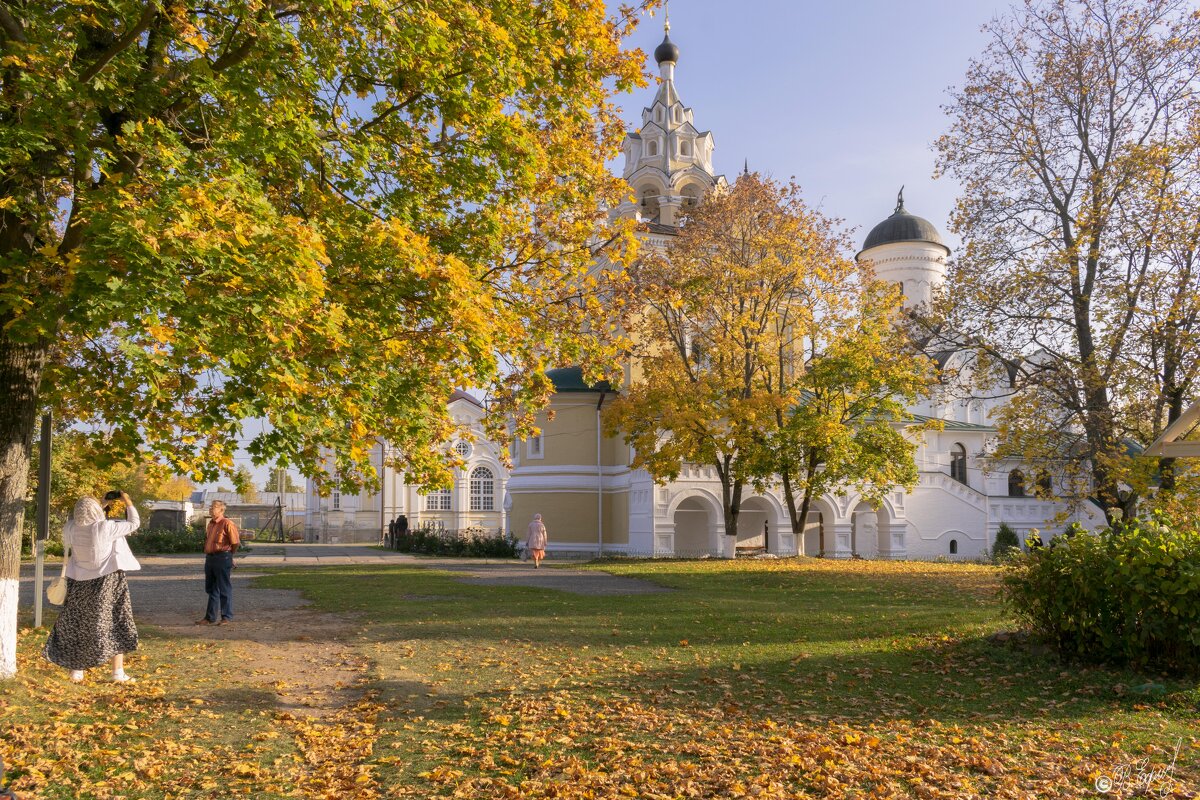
782,680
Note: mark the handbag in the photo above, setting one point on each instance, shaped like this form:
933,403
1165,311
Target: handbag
56,592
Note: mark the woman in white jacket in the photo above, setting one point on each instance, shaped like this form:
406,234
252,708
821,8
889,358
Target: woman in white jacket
96,623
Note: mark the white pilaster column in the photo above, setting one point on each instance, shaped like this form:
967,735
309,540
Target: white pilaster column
840,535
460,499
668,208
897,544
664,539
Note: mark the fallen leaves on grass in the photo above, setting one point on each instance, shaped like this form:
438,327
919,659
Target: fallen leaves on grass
163,737
560,746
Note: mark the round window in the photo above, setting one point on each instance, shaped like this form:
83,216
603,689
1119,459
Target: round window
463,449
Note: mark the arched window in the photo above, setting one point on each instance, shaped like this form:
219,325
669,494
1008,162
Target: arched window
652,148
958,463
658,115
1044,484
685,148
954,547
483,489
438,500
1016,483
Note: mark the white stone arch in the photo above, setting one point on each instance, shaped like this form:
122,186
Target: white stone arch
873,532
961,362
819,528
692,193
647,190
885,505
754,511
697,521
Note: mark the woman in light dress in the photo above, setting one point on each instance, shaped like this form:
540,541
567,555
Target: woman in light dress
96,622
535,541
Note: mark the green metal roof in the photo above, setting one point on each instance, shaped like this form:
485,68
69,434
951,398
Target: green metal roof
951,424
570,379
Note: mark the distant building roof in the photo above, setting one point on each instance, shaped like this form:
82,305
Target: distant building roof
203,497
570,379
950,424
658,227
459,394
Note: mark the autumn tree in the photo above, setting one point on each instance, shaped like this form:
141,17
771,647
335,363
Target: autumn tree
175,488
855,373
326,215
281,477
77,469
753,292
243,484
1074,138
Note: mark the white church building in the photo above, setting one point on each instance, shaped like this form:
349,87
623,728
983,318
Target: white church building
593,501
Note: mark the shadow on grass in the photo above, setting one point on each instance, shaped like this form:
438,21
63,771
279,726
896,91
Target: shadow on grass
830,643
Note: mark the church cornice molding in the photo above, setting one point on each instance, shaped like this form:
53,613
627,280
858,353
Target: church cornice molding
909,258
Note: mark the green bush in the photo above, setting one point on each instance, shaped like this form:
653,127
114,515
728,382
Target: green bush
1129,594
53,544
473,542
1006,544
150,542
144,542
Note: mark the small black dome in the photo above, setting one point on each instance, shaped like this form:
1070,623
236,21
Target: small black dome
902,226
667,51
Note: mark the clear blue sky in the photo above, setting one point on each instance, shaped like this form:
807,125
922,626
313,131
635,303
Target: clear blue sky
846,96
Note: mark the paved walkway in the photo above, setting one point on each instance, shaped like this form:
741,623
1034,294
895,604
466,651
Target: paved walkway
169,589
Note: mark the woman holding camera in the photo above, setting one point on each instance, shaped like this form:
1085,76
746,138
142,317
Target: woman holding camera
96,623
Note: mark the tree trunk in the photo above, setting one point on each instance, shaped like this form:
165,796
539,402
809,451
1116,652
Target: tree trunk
800,517
731,494
789,497
735,508
21,367
1166,466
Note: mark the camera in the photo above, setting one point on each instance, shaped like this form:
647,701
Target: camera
115,494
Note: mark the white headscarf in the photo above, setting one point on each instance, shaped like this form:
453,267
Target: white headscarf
79,533
88,511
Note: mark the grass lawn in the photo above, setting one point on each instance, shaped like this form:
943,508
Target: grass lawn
803,678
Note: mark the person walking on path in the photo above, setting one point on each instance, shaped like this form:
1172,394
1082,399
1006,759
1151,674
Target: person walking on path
221,541
535,541
96,623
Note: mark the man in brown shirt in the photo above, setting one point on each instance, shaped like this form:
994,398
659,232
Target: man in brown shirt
221,541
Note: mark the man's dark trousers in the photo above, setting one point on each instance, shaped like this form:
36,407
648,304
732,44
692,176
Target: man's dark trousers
217,570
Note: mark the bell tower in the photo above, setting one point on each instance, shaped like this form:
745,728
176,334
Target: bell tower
668,162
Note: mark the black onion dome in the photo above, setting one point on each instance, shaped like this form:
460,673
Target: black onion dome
902,226
667,51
